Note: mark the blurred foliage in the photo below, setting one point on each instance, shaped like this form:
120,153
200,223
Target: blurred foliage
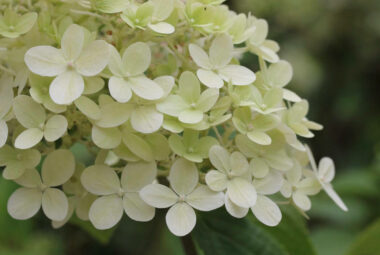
333,46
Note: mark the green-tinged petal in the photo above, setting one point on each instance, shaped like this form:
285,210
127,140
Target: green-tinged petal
241,192
70,211
3,133
279,160
191,116
138,146
301,200
136,58
291,96
146,119
114,114
259,137
29,138
210,78
55,128
30,179
55,204
326,170
115,63
183,176
158,195
136,176
93,85
189,87
267,211
110,6
237,75
136,208
279,74
159,145
221,51
24,203
173,105
66,88
258,167
100,180
270,184
176,144
29,113
120,89
72,42
204,145
13,170
207,99
204,199
106,138
45,61
26,22
181,219
58,168
83,206
146,88
93,59
216,180
106,212
220,158
88,107
123,152
239,164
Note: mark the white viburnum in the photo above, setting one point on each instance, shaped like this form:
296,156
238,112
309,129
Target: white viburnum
118,195
183,197
37,191
215,67
78,57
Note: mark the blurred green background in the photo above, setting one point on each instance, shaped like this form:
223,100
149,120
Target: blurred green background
334,47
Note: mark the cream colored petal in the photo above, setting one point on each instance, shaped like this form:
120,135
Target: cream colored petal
136,208
199,56
204,199
234,210
55,204
72,42
216,180
183,176
58,167
146,119
29,138
100,180
237,75
210,78
241,192
136,176
55,128
158,195
106,138
267,211
106,212
181,219
93,59
66,88
24,203
334,196
120,89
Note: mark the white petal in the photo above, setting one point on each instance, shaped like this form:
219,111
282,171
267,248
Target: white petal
93,59
24,203
55,128
135,176
45,61
70,211
183,176
29,138
259,137
301,200
3,133
139,146
221,51
258,168
72,42
173,105
106,138
220,158
106,212
234,210
66,88
280,73
210,78
58,168
199,56
241,192
334,196
204,199
120,89
30,179
267,211
270,184
136,208
55,204
216,180
29,113
207,99
326,170
239,164
93,85
146,119
158,196
181,219
100,180
136,58
162,28
146,88
291,96
237,75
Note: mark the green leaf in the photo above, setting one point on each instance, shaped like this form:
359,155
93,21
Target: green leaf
367,243
219,233
102,236
291,234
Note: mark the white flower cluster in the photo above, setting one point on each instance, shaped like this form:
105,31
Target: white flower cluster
156,92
